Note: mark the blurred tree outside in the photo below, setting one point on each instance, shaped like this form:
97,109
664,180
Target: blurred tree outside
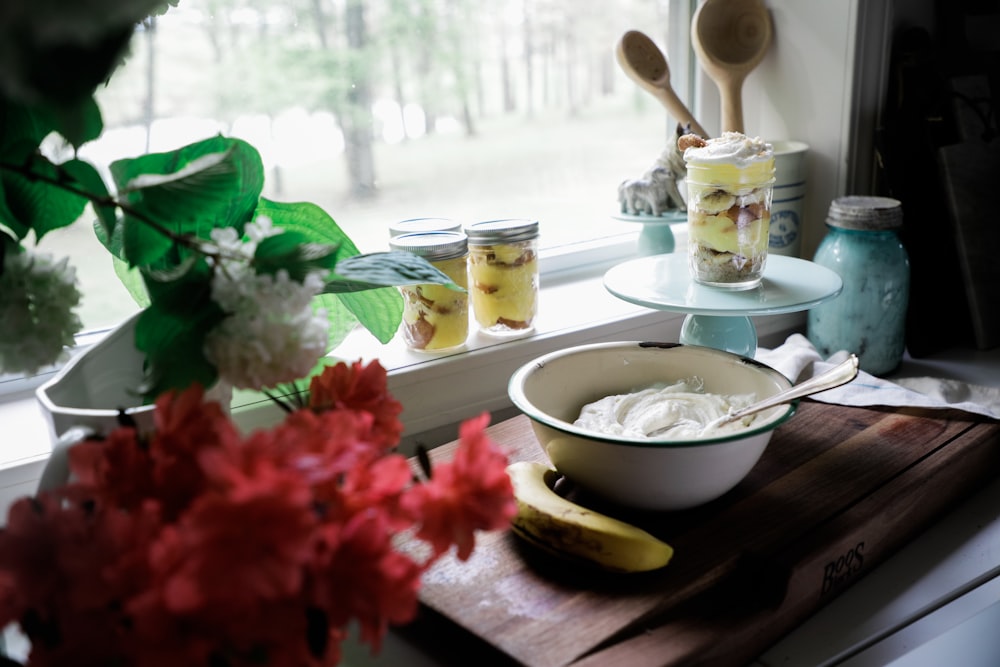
380,110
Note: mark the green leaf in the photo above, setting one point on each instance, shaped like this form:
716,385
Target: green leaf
90,181
78,121
386,269
186,287
9,221
342,320
160,205
172,330
191,191
378,310
34,201
115,242
22,130
293,252
311,221
174,351
131,278
374,305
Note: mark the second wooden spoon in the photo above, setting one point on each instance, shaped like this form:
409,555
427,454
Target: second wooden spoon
641,59
731,37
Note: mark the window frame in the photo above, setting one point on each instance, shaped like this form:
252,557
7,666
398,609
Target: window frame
574,266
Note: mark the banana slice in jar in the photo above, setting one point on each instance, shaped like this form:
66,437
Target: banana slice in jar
715,201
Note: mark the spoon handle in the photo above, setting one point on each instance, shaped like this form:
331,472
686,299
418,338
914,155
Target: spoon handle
732,105
840,374
674,105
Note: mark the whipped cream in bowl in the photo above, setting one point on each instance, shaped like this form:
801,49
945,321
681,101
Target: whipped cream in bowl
680,410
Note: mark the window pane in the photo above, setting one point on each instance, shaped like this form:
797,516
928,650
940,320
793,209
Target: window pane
384,110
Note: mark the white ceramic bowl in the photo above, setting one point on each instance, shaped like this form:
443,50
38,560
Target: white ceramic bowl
643,473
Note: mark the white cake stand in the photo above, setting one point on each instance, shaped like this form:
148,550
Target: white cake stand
720,318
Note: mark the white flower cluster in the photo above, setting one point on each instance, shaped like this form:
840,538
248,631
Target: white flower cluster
37,320
271,334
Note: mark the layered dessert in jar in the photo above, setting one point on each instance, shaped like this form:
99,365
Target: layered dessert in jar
729,185
436,317
503,275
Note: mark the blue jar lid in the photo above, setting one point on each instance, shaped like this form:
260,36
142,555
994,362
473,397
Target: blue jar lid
862,213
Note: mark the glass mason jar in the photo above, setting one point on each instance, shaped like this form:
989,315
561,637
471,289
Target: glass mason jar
869,316
729,215
503,275
436,317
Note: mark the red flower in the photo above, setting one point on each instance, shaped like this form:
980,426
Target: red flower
361,388
125,468
194,545
472,492
359,575
72,565
236,547
321,446
185,427
115,469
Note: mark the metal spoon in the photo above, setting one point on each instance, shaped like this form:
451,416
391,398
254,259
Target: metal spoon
645,64
731,37
840,374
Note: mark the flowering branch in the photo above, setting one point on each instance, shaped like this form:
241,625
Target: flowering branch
235,285
101,202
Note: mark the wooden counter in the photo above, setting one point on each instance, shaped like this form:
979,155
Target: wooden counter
838,490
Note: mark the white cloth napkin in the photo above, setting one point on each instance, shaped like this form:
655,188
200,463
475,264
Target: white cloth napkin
797,359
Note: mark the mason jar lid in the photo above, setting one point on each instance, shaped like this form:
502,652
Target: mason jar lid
502,231
865,213
432,246
414,225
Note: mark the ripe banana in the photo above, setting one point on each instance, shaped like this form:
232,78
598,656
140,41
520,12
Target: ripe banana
560,526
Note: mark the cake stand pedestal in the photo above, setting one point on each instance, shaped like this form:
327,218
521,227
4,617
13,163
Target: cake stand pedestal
656,237
717,317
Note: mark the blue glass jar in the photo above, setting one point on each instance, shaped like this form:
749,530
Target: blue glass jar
869,316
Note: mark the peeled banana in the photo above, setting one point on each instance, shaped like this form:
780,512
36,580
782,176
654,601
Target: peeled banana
560,526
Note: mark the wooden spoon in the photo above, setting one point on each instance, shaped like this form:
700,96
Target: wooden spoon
645,64
731,37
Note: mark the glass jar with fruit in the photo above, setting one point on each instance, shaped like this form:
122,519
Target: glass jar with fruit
503,275
436,317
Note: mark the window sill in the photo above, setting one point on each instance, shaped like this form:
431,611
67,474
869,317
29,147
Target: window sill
437,391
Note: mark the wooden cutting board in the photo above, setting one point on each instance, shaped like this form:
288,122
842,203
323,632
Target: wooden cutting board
838,490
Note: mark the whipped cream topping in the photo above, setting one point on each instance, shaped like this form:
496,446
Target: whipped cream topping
731,148
677,411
